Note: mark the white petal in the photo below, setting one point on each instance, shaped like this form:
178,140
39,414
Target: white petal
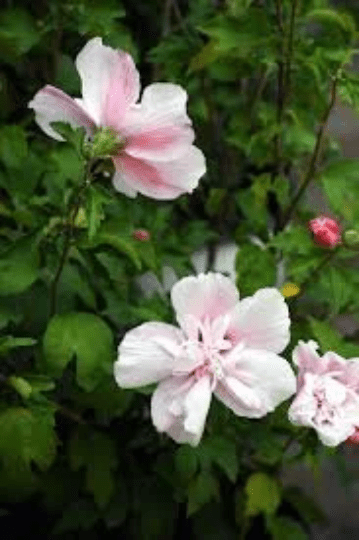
162,105
120,185
147,354
179,407
267,375
52,105
261,321
239,397
110,81
206,295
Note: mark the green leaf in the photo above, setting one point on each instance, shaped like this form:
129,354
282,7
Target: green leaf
18,32
284,528
110,233
255,269
186,462
263,494
9,342
340,181
13,146
333,17
202,489
18,267
221,451
95,201
97,453
27,435
85,336
328,338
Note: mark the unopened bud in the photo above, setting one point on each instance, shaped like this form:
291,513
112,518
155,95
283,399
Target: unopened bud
353,439
142,235
351,237
106,142
326,231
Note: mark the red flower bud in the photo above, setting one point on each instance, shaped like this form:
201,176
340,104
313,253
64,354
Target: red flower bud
141,234
326,231
353,439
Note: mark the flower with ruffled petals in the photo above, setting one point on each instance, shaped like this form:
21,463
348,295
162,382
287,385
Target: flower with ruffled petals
155,153
223,346
327,395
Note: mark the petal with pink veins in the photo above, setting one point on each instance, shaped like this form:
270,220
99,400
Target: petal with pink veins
161,180
261,321
161,144
110,81
204,296
180,406
266,380
147,354
53,105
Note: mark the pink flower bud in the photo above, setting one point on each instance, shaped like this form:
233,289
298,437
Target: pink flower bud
354,439
326,231
142,235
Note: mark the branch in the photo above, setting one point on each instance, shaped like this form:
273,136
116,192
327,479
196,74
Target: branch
312,167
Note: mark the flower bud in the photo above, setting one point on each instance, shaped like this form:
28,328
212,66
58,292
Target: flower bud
142,235
326,231
105,142
353,439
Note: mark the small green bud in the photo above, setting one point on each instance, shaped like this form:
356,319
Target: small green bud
106,142
351,237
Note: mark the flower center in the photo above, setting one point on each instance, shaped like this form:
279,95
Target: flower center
202,352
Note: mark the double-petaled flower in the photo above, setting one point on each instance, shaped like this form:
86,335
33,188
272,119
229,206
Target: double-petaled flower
223,346
327,395
154,151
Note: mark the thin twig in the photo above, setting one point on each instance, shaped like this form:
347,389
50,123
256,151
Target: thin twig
313,163
289,56
280,88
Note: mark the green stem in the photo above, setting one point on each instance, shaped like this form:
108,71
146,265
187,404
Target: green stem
68,233
313,163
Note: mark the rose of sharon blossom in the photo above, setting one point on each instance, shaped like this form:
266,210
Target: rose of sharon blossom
222,346
156,156
327,394
326,231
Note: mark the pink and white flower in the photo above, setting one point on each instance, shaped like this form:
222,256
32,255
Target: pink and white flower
327,394
223,346
157,157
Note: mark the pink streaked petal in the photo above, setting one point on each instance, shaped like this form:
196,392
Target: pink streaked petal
267,374
162,180
161,144
52,105
162,105
180,406
261,321
204,296
147,354
109,77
